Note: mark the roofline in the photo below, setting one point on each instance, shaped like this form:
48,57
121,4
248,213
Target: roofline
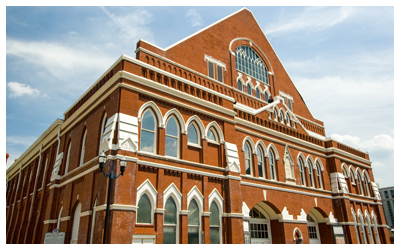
53,126
347,145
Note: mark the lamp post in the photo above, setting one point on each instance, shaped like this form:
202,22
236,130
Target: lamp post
111,176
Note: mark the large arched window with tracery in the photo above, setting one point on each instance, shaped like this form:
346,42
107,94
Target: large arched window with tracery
250,63
148,132
172,138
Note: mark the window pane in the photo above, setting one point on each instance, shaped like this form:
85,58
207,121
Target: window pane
214,217
147,141
260,159
214,235
219,73
172,127
258,93
211,69
192,134
211,135
170,212
248,89
148,121
193,213
144,210
171,145
169,235
240,86
193,235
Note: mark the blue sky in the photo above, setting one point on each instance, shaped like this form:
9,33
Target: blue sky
341,59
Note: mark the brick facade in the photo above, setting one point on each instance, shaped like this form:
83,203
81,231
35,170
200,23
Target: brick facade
263,206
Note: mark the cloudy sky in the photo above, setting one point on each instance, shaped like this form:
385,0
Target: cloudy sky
341,59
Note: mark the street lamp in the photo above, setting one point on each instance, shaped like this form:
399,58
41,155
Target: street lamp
111,176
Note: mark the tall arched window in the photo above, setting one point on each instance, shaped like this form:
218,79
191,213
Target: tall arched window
310,173
247,158
260,162
359,180
355,225
193,134
266,97
275,115
170,222
75,225
215,224
172,138
272,170
102,129
67,163
148,132
250,63
378,241
83,149
144,210
362,230
194,223
302,175
366,185
248,89
258,93
370,235
319,176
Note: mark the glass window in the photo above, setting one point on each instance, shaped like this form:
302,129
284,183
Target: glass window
319,176
310,173
301,167
83,149
275,114
144,210
148,132
250,63
258,94
211,135
170,222
214,224
210,69
281,116
366,186
247,158
172,138
193,136
67,163
248,89
360,184
193,223
271,158
220,77
240,85
260,162
266,96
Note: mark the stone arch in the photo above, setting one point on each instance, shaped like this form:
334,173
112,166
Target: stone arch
272,146
251,143
217,128
156,111
199,123
174,112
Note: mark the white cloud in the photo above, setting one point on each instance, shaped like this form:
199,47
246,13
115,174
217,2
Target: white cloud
313,19
193,17
380,142
19,89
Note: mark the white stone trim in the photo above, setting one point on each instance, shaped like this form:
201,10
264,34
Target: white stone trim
51,221
65,218
181,122
147,188
86,213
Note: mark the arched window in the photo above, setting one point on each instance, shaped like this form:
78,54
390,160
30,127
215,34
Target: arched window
193,134
250,63
378,241
362,230
355,225
287,119
75,225
247,158
148,132
366,185
275,115
67,163
193,223
211,135
360,184
260,162
272,170
102,129
370,235
266,97
170,222
258,93
310,173
281,116
240,85
83,149
144,210
172,138
319,176
215,224
248,89
302,175
352,175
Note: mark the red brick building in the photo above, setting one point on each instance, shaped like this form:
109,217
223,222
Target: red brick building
221,148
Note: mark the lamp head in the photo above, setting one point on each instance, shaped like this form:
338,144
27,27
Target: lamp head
123,164
102,161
